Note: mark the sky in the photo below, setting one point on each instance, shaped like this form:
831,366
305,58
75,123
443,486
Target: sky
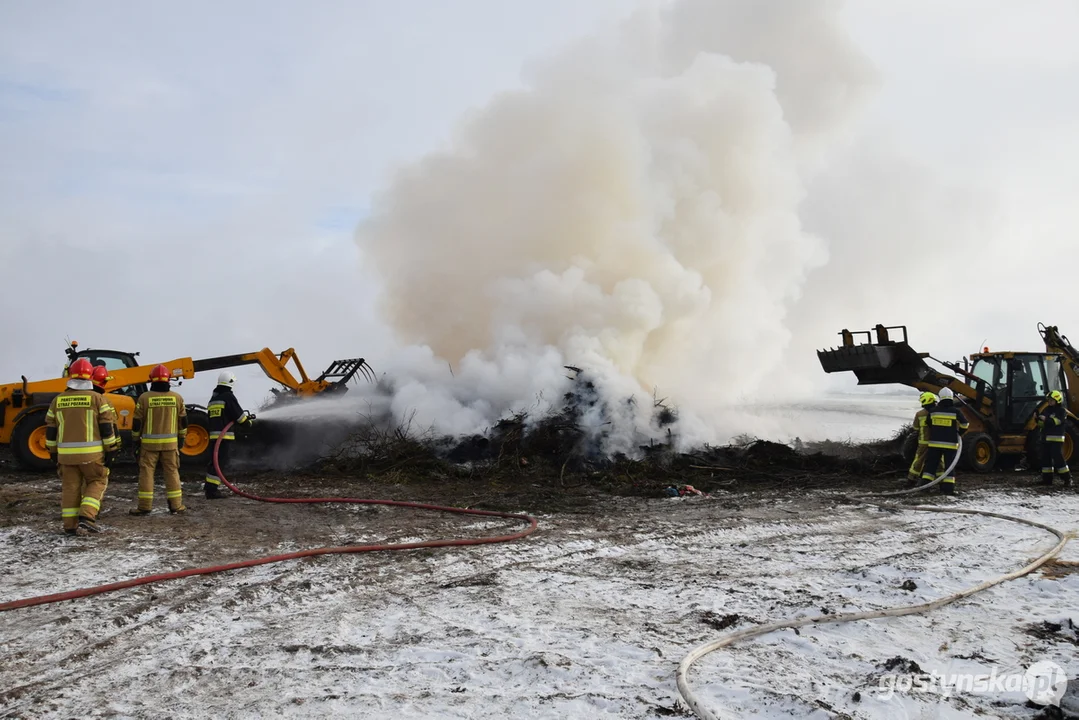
188,180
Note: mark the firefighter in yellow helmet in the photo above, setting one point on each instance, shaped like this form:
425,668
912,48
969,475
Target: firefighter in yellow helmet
928,401
1052,422
158,430
80,434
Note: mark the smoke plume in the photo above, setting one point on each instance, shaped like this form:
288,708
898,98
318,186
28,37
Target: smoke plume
634,211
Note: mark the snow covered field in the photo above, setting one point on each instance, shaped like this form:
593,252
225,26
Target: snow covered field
589,617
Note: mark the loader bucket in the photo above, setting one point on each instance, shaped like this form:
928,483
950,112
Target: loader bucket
877,362
340,372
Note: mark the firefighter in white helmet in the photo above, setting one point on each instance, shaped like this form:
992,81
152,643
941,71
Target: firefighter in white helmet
946,424
223,408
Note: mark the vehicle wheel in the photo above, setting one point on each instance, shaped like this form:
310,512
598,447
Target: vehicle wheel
910,447
1071,439
1007,461
1034,452
197,447
28,442
979,453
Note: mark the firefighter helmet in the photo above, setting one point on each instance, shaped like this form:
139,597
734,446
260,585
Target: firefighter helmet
226,378
927,398
1057,395
100,376
81,369
945,393
160,373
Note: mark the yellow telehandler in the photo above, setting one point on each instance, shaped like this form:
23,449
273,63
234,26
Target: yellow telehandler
1000,393
23,404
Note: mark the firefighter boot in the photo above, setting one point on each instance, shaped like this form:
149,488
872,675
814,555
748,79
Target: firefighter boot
213,492
947,488
139,511
1047,478
88,525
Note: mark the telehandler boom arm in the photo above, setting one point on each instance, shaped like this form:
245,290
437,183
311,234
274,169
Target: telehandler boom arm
276,368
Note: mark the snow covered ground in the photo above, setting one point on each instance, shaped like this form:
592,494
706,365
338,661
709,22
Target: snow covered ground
589,617
854,417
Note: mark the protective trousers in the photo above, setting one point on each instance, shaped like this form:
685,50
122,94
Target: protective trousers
1053,462
943,458
82,488
213,482
915,470
170,468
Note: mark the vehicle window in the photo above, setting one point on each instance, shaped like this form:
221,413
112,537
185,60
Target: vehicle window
1027,378
984,370
1053,375
110,363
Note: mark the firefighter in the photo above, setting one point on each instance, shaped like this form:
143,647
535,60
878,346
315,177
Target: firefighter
928,401
80,434
99,378
945,423
223,408
158,430
1052,421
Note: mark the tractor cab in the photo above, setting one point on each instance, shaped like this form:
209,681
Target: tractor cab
1018,384
112,360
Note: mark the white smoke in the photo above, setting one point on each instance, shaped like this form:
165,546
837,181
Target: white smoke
634,211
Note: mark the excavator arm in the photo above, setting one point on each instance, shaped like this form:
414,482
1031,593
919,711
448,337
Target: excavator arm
1059,344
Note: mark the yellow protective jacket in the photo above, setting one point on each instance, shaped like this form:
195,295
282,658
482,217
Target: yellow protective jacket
80,426
919,424
160,421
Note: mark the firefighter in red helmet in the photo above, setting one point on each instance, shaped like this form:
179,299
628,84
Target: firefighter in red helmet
80,434
158,432
99,378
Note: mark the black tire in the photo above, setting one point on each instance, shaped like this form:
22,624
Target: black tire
21,438
1008,461
910,447
198,425
1071,440
979,453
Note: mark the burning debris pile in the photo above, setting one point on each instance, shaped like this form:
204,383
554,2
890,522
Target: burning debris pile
566,448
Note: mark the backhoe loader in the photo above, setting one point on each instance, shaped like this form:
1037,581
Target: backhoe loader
23,404
1000,393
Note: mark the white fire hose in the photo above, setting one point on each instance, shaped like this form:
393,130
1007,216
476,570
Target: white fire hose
683,667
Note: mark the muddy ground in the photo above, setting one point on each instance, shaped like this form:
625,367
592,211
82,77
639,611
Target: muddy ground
757,474
754,472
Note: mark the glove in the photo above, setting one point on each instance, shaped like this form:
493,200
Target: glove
109,457
53,458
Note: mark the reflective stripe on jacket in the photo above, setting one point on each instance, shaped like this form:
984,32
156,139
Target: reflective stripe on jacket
80,426
1053,427
158,424
919,424
945,423
222,409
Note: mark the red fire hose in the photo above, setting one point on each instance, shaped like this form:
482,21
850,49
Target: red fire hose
148,579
